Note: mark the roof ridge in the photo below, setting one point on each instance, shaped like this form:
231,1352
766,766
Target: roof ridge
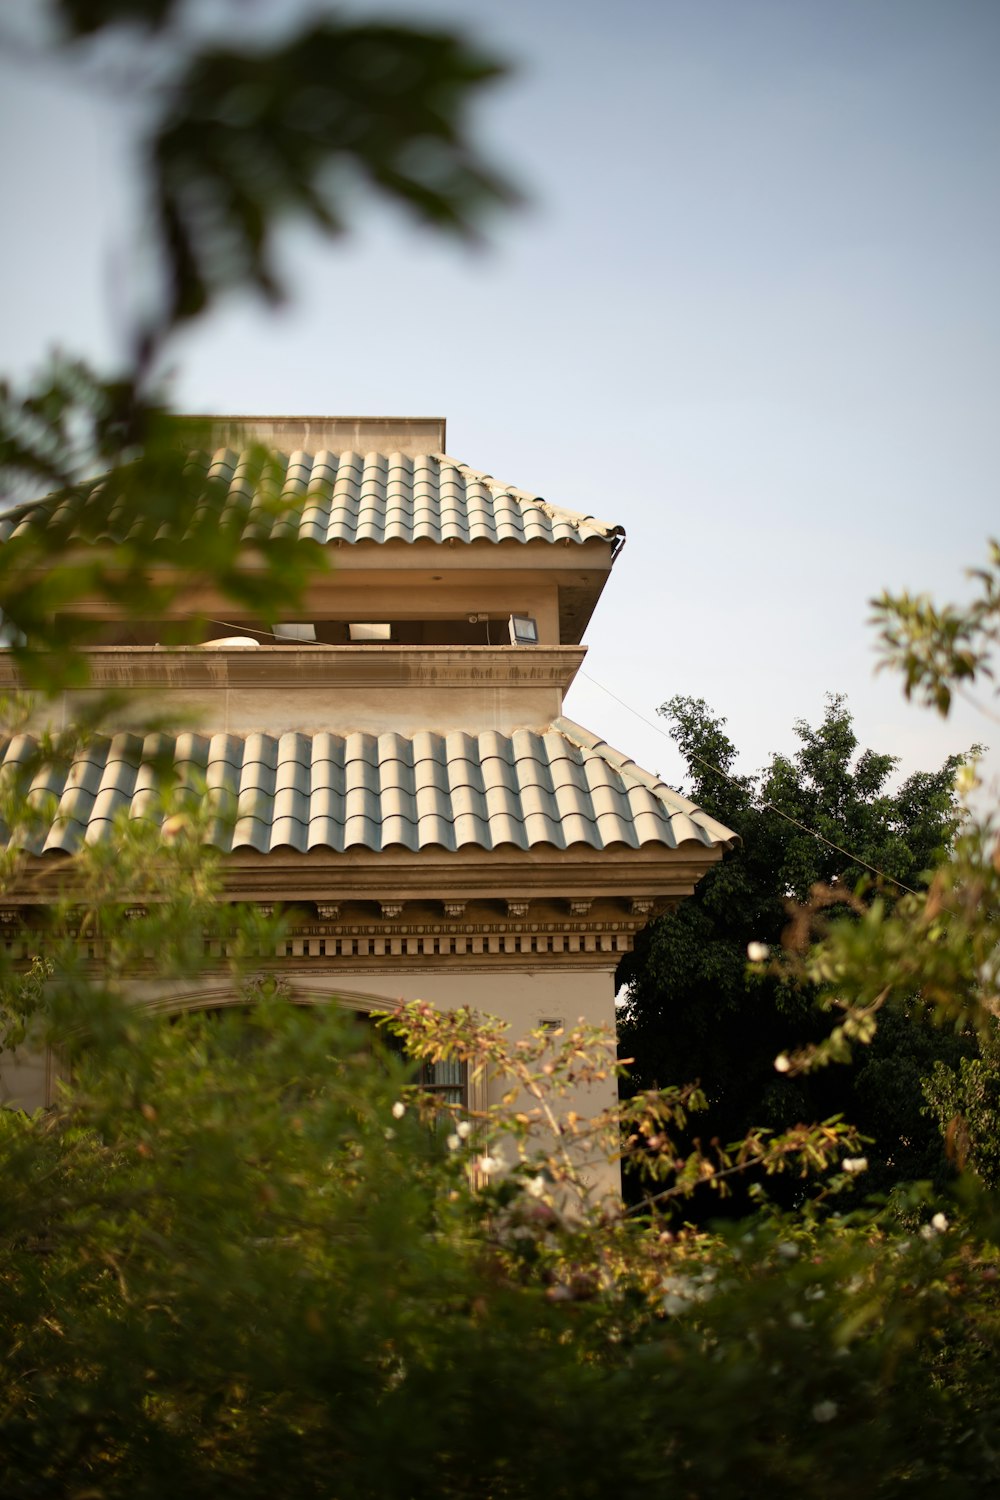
505,514
587,740
627,767
613,533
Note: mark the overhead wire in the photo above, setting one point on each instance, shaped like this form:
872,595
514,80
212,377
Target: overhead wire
762,803
243,629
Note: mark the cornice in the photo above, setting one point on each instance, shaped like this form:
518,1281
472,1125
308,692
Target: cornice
326,666
440,877
483,939
386,933
474,874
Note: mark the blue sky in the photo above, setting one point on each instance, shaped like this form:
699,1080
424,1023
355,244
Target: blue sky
750,312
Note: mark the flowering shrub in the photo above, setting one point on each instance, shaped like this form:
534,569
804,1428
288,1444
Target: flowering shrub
218,1259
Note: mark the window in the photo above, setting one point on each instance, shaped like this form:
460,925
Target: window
447,1080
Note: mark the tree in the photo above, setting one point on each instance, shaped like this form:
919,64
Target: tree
693,1010
964,1103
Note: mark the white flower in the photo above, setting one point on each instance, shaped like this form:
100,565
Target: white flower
453,1142
824,1411
796,1320
463,1130
855,1164
937,1226
389,1133
757,952
398,1110
491,1166
682,1292
679,1293
787,1250
782,1063
536,1186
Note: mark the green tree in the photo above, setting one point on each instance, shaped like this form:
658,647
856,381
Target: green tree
964,1102
695,1012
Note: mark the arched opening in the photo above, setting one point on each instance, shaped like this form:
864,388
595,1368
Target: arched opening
446,1080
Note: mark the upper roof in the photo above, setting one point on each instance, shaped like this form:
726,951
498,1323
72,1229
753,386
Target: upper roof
381,497
339,479
560,786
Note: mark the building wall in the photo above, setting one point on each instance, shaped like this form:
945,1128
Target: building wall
27,1078
525,999
323,688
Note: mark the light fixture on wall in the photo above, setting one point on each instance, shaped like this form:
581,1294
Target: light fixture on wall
523,630
366,630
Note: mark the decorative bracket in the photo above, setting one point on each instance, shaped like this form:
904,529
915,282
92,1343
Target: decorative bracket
518,908
455,909
391,909
328,911
641,906
579,906
135,913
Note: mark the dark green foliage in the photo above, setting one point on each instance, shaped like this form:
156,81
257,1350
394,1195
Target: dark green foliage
240,137
82,18
884,1096
227,1264
249,137
694,1012
963,1100
217,1252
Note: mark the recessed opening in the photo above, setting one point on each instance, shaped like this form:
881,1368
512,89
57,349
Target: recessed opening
294,632
461,630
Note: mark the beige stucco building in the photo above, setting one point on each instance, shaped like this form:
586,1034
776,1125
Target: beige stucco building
405,784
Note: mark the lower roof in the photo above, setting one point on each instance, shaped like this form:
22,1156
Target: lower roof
560,787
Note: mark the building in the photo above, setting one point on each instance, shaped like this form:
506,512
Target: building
405,783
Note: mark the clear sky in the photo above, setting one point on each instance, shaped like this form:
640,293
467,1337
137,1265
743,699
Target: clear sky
750,312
